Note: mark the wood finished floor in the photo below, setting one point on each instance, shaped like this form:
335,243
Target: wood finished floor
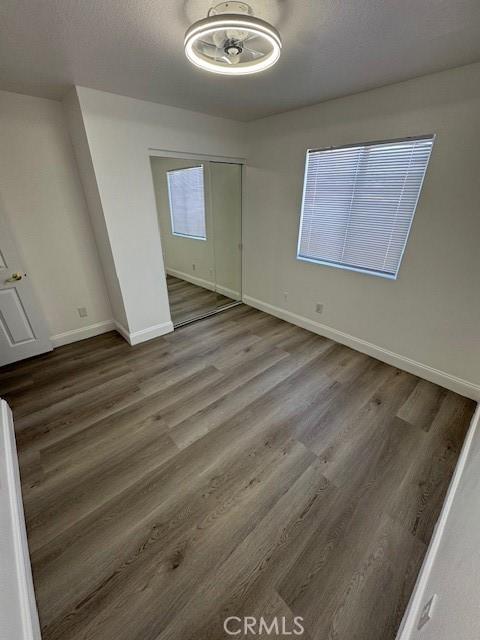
239,466
187,301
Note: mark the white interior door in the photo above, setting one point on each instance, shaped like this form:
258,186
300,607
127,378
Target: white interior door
23,331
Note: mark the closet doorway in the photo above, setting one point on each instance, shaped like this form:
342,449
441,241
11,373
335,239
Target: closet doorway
199,205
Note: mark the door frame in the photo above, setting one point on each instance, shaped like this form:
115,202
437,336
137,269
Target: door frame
186,155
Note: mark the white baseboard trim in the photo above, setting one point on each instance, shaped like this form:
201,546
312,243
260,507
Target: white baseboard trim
417,600
143,335
206,284
81,334
442,378
18,589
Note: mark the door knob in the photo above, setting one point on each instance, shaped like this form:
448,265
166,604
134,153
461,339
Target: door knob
15,277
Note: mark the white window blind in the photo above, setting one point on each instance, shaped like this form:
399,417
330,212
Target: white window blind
187,202
359,202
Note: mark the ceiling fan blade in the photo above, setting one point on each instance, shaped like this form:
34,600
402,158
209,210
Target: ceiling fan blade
211,50
207,47
251,36
254,52
218,53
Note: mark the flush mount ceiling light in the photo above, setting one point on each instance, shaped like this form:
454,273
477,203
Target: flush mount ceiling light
232,41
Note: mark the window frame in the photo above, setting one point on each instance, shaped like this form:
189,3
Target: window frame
177,233
371,143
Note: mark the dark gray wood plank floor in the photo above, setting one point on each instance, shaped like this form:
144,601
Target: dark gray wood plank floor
188,301
240,466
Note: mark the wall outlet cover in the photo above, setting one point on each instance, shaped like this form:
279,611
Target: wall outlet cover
427,611
319,307
82,312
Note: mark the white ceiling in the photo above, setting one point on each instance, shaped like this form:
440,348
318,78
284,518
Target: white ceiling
135,48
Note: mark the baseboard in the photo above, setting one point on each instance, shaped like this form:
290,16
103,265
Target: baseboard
200,282
442,378
18,609
143,335
81,334
412,613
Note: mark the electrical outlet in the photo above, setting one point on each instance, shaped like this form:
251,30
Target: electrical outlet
82,312
194,266
319,307
427,611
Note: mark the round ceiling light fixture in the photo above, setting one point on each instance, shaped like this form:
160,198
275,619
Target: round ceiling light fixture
232,41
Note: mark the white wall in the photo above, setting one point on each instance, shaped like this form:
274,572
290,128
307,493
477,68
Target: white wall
431,314
89,181
428,316
452,565
42,198
120,132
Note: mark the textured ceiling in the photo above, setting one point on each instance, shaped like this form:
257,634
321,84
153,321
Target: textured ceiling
135,48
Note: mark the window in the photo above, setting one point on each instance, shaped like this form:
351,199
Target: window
187,202
358,204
